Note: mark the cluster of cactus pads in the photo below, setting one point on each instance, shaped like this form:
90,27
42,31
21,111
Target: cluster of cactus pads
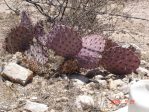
88,52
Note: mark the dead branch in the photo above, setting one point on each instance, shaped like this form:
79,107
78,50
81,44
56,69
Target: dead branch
41,10
16,11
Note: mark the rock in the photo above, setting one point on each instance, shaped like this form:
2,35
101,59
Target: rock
88,88
142,71
110,76
34,98
62,99
98,77
124,89
17,57
119,95
52,110
17,73
143,62
119,82
113,84
102,83
84,102
35,107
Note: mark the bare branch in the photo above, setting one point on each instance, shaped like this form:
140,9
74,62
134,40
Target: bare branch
41,10
16,11
63,13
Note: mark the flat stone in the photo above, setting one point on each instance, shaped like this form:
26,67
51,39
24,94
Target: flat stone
35,107
17,73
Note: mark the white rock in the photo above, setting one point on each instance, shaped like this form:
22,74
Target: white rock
98,77
17,73
119,95
84,102
52,110
35,107
113,84
102,82
62,99
142,71
16,57
34,98
143,62
119,82
124,89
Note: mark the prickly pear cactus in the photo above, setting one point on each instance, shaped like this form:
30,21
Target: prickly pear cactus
18,39
25,20
64,41
119,60
40,34
90,54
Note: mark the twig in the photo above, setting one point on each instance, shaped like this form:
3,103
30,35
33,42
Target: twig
64,10
15,11
41,10
124,16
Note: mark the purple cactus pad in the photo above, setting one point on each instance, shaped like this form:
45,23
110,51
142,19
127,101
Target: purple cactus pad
119,60
25,20
40,34
64,41
90,55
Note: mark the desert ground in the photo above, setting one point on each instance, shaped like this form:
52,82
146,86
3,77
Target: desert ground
60,93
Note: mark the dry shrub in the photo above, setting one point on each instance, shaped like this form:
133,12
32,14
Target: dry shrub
88,16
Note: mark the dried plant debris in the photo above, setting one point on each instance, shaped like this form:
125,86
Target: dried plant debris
69,66
36,58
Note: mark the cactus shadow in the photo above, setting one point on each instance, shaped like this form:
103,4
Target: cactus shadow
92,73
79,76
